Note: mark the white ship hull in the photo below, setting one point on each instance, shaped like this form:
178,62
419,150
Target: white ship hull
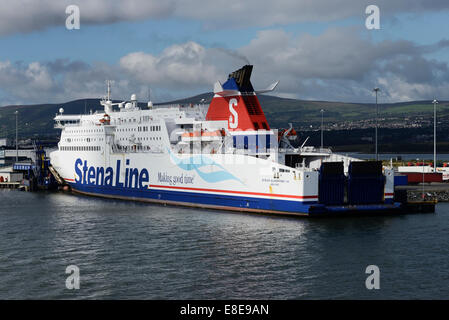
235,182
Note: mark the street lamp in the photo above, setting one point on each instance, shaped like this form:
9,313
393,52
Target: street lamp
17,136
435,135
322,112
376,90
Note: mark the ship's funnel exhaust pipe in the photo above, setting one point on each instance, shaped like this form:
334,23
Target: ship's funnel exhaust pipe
235,101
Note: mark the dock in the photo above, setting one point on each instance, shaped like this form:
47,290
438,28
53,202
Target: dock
416,200
438,191
419,206
9,185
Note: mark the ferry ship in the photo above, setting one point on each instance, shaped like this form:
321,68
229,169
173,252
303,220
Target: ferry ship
223,155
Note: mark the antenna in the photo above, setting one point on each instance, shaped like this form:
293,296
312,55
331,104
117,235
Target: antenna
108,103
109,83
149,104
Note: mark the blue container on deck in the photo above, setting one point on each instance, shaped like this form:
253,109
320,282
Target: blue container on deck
331,190
401,180
366,183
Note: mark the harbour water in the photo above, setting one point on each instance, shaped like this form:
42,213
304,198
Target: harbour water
127,250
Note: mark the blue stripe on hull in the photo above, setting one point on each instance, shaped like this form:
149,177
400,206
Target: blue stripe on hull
230,202
213,200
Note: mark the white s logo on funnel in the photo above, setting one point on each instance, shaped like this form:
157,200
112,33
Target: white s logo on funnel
233,124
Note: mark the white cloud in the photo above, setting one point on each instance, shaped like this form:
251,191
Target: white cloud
338,53
33,15
232,13
27,82
186,66
341,64
336,65
21,16
178,71
400,90
178,65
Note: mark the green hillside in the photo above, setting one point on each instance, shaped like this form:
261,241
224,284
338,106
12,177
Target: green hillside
406,125
303,113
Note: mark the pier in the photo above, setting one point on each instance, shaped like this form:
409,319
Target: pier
29,173
416,199
438,191
9,185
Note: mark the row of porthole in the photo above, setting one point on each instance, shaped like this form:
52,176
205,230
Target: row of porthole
83,131
83,139
142,139
80,148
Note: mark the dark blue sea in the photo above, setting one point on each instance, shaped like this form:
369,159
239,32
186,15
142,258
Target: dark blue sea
127,250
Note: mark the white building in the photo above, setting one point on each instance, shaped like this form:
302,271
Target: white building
8,175
4,142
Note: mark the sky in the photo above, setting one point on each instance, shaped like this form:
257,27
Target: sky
319,50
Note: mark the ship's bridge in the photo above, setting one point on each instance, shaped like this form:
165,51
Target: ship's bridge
62,121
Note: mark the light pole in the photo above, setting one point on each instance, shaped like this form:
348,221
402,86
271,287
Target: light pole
17,136
376,90
435,135
322,112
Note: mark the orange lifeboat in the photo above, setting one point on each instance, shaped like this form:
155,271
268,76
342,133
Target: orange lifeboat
216,133
292,135
106,119
204,133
